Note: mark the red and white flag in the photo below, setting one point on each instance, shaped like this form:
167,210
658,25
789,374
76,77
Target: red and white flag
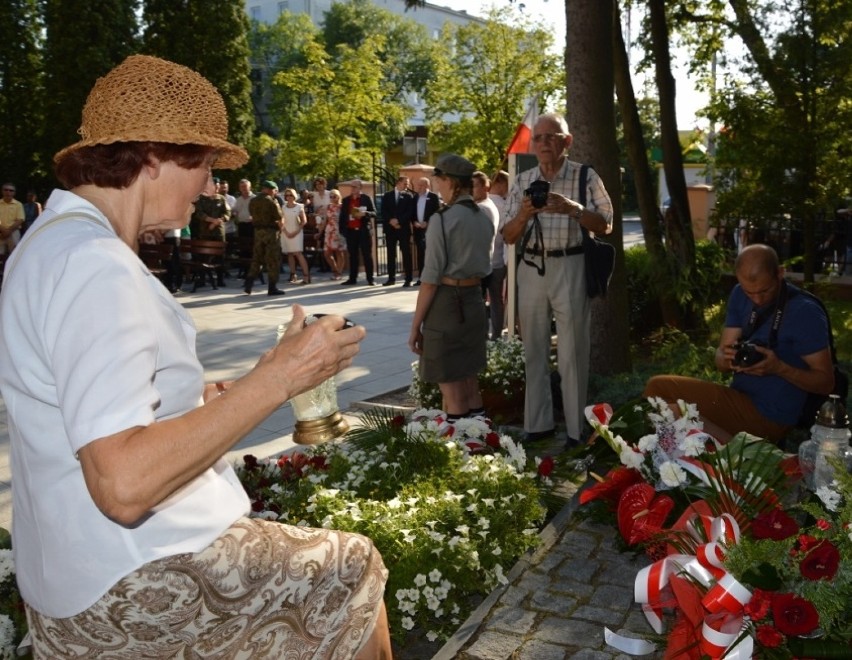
521,143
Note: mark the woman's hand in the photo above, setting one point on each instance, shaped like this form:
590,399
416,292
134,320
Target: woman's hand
415,341
308,355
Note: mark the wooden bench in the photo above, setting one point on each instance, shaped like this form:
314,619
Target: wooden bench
203,261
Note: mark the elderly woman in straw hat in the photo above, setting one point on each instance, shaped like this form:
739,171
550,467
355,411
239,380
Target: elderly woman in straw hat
449,329
130,532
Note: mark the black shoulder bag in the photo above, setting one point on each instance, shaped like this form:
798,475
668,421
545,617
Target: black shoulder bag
813,401
599,255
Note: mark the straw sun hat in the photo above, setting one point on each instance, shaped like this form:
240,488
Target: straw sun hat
147,99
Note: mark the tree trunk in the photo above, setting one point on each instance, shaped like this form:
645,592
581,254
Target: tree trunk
591,118
637,154
680,243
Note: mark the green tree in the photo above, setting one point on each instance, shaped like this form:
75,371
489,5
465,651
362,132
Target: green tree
407,53
786,147
344,119
484,83
81,45
20,85
211,37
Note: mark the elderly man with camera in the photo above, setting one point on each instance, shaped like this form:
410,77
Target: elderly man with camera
776,343
546,219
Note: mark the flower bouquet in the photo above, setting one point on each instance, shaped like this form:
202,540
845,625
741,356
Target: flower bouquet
735,572
449,505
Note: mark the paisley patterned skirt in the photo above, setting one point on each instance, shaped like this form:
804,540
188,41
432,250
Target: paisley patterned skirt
261,590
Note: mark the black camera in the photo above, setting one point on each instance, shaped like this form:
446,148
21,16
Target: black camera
746,354
537,192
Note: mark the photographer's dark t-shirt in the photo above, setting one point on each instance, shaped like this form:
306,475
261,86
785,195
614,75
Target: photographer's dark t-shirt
803,331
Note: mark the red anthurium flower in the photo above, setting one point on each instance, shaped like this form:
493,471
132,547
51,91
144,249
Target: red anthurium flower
758,606
806,542
821,562
450,431
398,421
774,524
493,440
546,466
794,615
769,637
824,525
611,486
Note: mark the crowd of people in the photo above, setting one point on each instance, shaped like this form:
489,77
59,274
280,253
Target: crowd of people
121,491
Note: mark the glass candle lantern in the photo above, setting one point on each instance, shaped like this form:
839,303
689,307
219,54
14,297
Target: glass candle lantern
317,413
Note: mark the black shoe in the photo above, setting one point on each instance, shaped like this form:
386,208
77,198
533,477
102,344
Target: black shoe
389,283
406,284
570,443
247,285
348,282
371,283
417,283
275,292
537,436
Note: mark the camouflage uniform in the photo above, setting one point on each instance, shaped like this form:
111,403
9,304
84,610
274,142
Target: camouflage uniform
214,206
265,214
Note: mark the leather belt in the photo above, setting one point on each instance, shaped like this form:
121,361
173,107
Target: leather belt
470,281
577,249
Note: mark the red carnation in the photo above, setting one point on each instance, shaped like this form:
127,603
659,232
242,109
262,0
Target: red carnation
250,462
493,440
769,637
758,606
794,615
824,525
774,524
821,562
546,466
398,421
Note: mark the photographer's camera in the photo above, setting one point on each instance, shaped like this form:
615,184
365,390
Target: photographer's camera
537,192
746,354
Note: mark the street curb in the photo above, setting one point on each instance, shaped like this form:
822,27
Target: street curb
549,536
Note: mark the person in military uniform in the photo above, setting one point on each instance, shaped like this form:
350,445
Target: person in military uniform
209,217
266,216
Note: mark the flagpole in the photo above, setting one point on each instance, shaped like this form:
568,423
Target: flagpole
520,144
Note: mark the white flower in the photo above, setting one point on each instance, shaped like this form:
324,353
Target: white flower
431,635
420,579
672,474
7,636
830,497
407,622
435,575
629,457
693,445
648,443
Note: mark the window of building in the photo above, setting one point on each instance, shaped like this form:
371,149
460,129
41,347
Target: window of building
254,12
283,6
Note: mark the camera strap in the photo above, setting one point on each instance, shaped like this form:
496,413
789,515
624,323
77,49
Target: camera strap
758,318
538,246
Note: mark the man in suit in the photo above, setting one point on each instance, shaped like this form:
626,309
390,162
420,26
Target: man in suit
397,215
426,203
356,212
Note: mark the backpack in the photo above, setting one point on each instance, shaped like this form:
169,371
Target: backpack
841,380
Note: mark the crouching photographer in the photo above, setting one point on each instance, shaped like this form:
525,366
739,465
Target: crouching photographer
776,341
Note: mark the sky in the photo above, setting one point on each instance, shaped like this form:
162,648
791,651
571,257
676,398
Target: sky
552,12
